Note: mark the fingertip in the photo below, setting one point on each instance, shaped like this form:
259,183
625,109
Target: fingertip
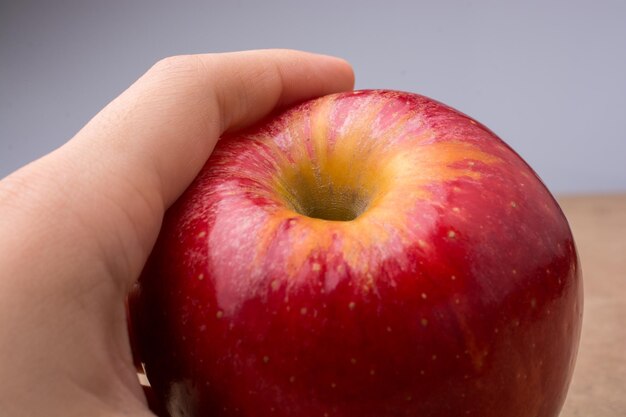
327,62
346,73
254,83
308,75
339,73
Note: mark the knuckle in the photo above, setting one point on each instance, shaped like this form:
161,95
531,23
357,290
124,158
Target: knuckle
174,66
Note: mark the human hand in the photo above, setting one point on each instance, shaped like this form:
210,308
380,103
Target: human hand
77,225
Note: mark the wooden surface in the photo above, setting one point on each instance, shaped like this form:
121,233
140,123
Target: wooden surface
599,385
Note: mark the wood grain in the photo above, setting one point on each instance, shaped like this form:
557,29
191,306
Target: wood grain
599,384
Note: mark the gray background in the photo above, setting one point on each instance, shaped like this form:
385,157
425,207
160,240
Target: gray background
547,76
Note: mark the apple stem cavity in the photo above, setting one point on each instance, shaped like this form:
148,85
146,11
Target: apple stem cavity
322,200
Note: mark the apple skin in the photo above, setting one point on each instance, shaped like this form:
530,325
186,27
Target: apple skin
457,291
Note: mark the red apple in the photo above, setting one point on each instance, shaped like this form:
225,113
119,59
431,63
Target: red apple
371,253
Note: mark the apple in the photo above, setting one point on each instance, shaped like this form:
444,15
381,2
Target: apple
371,254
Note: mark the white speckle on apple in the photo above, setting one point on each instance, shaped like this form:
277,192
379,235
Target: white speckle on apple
533,302
388,329
352,305
424,322
514,271
424,296
266,359
513,204
315,266
275,285
201,234
303,311
456,209
434,357
200,277
451,234
292,379
333,385
453,277
219,314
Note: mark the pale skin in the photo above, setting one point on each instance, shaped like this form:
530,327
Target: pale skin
77,225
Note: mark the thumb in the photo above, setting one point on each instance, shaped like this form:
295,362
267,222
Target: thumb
77,225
